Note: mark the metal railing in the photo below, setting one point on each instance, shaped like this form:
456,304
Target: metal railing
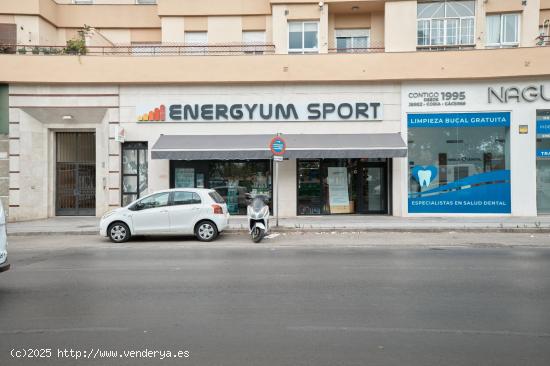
543,40
143,50
356,50
446,47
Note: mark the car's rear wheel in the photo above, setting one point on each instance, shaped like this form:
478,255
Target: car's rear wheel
206,231
118,232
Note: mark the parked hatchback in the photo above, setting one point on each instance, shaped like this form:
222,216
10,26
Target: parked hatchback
4,265
189,211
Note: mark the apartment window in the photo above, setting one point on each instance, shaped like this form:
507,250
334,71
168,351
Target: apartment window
445,23
8,38
147,49
196,37
303,37
134,171
194,40
352,40
254,42
502,30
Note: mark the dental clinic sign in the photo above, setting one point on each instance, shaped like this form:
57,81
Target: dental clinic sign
358,110
489,119
452,180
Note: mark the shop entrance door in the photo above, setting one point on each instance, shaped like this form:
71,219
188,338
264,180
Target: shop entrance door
75,174
372,193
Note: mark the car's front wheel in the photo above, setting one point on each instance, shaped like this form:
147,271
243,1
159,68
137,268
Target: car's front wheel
206,231
118,232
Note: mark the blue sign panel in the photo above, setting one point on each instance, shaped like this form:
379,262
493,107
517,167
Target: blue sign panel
482,193
277,146
489,119
543,127
543,154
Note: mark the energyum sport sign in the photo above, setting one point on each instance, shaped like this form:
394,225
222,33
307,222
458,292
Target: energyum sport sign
317,111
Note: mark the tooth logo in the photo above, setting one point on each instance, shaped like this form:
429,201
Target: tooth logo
424,175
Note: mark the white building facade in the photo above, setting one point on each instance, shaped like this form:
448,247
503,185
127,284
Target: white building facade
437,149
480,147
328,168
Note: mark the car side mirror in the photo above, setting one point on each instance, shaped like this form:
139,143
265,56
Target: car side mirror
139,206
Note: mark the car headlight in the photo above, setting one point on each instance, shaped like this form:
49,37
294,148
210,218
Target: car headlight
3,256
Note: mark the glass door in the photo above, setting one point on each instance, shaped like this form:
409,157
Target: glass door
75,174
543,186
372,188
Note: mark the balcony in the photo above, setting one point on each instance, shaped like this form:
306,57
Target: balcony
103,66
168,50
143,50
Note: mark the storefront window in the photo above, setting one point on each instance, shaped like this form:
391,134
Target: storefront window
459,163
235,181
543,162
134,171
342,186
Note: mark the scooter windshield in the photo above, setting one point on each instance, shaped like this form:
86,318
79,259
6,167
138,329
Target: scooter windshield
257,203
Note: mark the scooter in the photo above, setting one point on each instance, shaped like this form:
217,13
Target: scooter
258,218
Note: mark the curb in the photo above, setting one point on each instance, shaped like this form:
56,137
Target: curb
523,230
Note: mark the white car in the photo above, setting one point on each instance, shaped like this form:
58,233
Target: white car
4,265
181,211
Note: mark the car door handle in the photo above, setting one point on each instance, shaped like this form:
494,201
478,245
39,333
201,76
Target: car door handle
196,208
164,211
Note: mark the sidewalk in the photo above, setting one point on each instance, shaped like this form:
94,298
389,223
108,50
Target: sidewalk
90,225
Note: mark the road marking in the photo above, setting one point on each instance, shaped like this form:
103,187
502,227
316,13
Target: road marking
64,330
314,328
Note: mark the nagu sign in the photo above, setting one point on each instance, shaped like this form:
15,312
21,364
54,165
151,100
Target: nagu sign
529,94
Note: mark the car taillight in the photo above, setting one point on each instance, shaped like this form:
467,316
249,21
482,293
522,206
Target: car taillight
217,209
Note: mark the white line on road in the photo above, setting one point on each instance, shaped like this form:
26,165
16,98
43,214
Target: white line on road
64,330
314,328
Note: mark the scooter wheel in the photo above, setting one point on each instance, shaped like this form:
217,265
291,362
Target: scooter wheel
257,234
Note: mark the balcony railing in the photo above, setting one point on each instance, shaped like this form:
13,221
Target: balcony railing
143,50
543,40
356,50
446,47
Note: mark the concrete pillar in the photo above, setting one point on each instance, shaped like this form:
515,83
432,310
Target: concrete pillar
173,29
225,30
279,29
530,24
377,30
287,188
480,24
400,186
523,165
323,29
400,26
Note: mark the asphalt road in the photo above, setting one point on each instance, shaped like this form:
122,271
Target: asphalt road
313,299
